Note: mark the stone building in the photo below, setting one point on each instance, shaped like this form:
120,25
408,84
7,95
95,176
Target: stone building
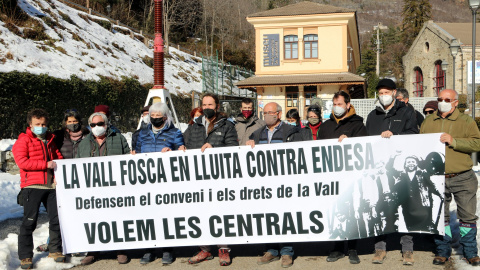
429,64
304,52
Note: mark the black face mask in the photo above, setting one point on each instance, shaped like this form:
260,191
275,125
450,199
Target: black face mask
157,122
74,127
209,113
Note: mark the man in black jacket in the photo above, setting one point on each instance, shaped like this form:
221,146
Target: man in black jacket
210,130
391,117
402,95
343,123
275,131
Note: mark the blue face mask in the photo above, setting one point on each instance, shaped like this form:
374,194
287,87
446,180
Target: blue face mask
195,119
39,130
292,123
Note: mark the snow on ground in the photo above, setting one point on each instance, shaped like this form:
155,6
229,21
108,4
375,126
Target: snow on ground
89,50
6,144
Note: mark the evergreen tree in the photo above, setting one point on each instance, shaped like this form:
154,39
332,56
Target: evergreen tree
415,14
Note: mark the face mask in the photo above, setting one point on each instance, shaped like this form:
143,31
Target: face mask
292,123
39,130
74,127
270,120
146,119
339,111
313,121
444,107
209,113
195,119
247,114
157,122
385,100
98,130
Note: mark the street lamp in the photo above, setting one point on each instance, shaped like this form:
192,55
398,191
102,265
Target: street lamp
474,5
454,47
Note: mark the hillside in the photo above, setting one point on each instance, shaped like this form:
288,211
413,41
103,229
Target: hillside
58,40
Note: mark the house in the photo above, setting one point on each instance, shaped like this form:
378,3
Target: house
305,52
429,65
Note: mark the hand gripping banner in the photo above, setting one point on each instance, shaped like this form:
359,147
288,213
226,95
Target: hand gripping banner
290,192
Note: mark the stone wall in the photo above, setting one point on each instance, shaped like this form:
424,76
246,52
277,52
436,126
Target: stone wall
7,163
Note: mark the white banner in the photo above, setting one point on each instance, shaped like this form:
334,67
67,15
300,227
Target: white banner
291,192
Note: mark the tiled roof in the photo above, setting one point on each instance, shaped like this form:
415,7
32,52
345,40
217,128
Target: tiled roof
309,79
302,8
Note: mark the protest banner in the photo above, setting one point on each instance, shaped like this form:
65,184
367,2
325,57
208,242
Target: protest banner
290,192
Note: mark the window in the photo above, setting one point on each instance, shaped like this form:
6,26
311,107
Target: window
418,82
291,47
311,46
439,78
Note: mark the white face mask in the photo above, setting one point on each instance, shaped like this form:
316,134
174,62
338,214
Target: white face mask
339,111
385,100
98,131
444,107
146,119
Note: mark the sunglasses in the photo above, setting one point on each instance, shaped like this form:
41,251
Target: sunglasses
71,110
313,110
428,112
446,100
100,124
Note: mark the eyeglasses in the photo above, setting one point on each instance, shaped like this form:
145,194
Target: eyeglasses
71,110
313,110
446,100
428,112
100,124
270,113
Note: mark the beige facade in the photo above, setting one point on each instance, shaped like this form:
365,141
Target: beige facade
430,49
317,54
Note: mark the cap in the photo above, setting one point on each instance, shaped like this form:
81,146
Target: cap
103,108
432,104
145,109
386,83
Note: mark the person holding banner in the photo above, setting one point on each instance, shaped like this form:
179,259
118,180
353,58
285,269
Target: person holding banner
247,121
461,137
390,117
343,123
275,131
102,141
159,136
34,153
194,115
314,117
210,130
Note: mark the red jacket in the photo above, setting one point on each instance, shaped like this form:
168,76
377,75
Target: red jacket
31,157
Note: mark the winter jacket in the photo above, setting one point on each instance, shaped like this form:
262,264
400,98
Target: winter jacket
31,156
466,139
418,115
285,133
352,126
245,127
309,130
67,146
223,134
116,144
135,135
400,119
169,136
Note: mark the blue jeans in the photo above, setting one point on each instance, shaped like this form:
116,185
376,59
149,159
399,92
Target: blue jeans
285,249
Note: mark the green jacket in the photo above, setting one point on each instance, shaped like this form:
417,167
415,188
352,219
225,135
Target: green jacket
466,139
116,145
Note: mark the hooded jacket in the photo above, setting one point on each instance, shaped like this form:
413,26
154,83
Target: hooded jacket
245,127
400,119
466,138
169,136
116,144
31,156
223,133
352,126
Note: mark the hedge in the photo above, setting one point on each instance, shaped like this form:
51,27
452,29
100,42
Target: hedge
21,91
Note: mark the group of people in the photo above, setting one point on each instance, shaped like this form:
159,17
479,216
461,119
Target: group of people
35,150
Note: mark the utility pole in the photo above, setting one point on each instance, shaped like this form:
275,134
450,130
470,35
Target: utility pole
378,27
